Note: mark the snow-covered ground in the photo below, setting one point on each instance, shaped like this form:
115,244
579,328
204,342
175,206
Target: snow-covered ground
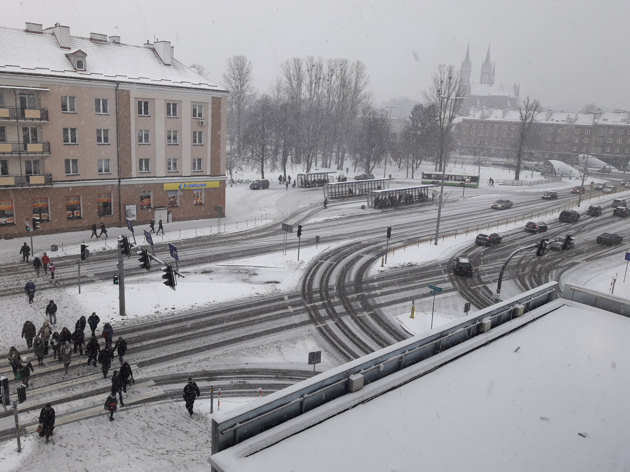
161,436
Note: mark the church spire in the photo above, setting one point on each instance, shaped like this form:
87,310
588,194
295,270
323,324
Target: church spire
465,71
487,70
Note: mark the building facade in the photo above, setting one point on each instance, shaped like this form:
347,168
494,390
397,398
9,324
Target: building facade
96,131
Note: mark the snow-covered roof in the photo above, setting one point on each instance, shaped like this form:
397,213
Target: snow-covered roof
584,119
39,53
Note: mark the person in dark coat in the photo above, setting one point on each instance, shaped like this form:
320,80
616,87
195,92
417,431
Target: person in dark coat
80,324
93,228
47,420
66,356
25,250
152,225
52,270
14,360
29,288
78,339
28,332
191,392
160,227
92,349
111,405
26,367
108,334
117,386
93,322
37,265
103,230
39,350
105,359
121,348
55,344
126,375
51,311
65,336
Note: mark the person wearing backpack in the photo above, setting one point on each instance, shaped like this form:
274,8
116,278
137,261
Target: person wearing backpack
111,405
191,392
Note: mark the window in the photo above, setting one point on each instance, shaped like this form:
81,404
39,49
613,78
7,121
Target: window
29,135
144,165
104,204
28,101
102,136
70,136
103,166
171,164
197,164
198,138
31,167
171,137
72,166
198,197
40,209
100,106
4,167
173,198
143,136
6,212
197,110
145,199
68,104
73,207
3,134
143,108
171,110
80,64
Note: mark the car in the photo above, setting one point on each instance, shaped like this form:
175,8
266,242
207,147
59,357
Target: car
619,203
560,243
462,266
551,195
568,216
594,210
488,239
578,189
609,189
608,239
598,187
621,211
501,204
259,184
537,227
363,177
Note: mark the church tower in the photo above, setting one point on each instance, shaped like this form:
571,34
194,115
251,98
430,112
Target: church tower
487,71
465,72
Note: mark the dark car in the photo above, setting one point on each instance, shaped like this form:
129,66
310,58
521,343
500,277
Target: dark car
488,239
594,210
552,195
259,184
363,177
621,211
619,203
561,243
568,216
608,239
536,227
578,189
501,204
462,266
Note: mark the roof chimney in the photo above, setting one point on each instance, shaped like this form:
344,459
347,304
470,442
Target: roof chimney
98,37
164,51
34,27
115,39
62,35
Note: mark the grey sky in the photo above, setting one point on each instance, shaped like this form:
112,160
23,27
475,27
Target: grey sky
562,52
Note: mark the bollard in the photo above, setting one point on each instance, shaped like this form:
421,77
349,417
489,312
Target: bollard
413,309
211,400
382,261
260,391
219,400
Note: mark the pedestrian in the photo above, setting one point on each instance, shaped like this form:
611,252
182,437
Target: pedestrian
28,332
111,405
26,367
160,227
121,348
289,178
44,333
191,392
39,350
29,288
117,387
80,324
78,339
103,230
280,179
52,269
92,349
94,231
105,359
93,322
152,225
46,421
14,360
108,334
25,250
45,262
66,356
126,375
286,185
325,203
37,265
293,184
55,344
51,311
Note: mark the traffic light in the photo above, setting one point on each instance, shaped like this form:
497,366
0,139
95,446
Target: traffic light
299,231
145,260
35,223
123,245
84,252
542,247
389,232
28,228
115,279
169,276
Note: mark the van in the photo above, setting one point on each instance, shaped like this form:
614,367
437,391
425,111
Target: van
568,216
594,210
259,184
462,266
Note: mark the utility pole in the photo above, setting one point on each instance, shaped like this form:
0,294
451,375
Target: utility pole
121,284
590,140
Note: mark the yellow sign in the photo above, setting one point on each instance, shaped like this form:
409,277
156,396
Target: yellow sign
191,185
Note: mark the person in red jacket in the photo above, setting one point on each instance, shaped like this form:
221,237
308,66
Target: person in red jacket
45,262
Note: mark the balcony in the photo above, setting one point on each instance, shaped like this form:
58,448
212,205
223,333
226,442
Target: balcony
25,180
24,149
23,114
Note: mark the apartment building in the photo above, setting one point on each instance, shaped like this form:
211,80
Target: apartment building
94,130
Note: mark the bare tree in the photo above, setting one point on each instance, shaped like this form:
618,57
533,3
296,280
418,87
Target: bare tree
420,137
372,140
238,81
258,136
527,114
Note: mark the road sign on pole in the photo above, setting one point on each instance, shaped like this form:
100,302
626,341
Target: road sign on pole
435,288
287,228
148,237
314,357
173,250
129,225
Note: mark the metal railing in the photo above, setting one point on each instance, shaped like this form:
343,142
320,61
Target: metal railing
25,180
23,114
28,149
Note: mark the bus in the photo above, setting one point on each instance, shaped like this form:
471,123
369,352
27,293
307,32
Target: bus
451,179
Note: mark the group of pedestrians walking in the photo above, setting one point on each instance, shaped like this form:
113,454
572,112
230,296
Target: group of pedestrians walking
102,228
152,226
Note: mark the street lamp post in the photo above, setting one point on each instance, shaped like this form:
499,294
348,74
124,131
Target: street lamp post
590,140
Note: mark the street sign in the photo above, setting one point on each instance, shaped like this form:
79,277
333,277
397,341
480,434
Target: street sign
218,209
173,250
314,357
130,225
628,256
287,227
148,237
435,289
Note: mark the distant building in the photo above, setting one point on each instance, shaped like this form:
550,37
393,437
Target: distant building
93,130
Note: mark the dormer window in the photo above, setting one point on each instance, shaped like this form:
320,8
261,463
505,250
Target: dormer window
80,64
77,58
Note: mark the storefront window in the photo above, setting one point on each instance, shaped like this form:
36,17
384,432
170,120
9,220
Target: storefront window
104,204
198,197
73,207
40,209
145,200
6,212
173,198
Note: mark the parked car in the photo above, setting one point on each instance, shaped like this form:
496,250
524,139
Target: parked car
598,187
608,239
619,203
488,239
551,195
501,204
462,266
568,216
538,227
609,189
578,189
259,184
621,211
594,210
363,177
